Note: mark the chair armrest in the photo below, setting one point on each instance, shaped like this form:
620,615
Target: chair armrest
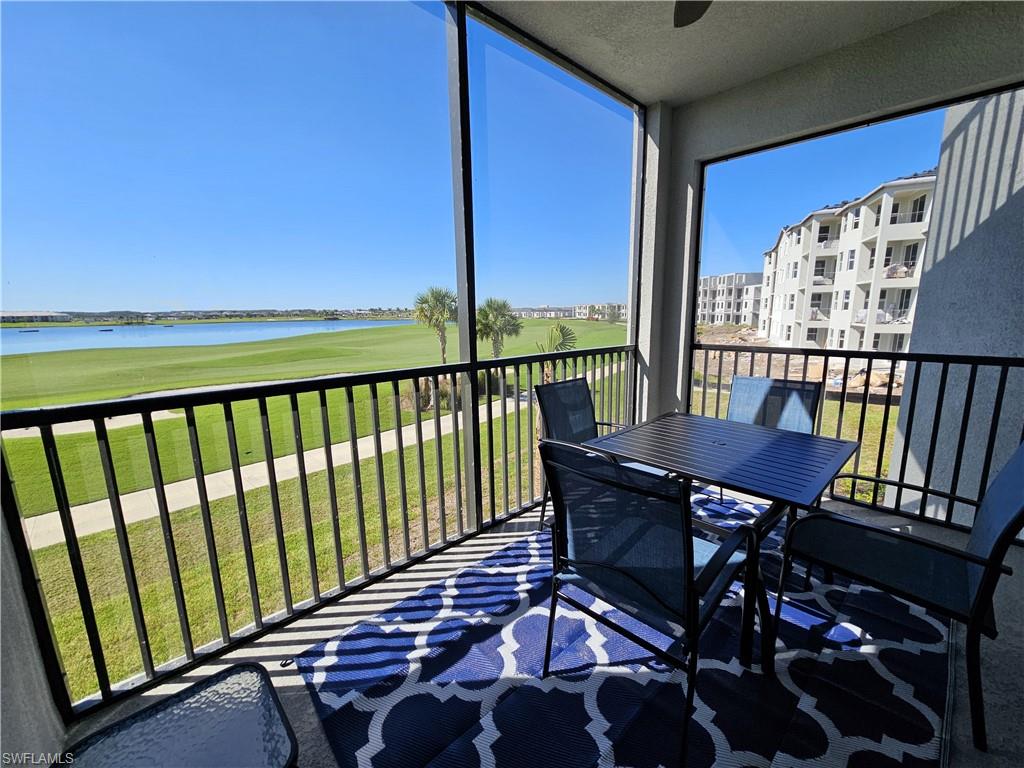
743,534
611,424
830,518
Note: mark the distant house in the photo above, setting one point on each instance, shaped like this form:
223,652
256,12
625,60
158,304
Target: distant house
599,311
543,312
33,316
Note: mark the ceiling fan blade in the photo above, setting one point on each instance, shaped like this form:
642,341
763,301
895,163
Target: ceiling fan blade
688,11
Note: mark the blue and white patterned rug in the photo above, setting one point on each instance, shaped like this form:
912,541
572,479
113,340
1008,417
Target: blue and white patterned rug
451,677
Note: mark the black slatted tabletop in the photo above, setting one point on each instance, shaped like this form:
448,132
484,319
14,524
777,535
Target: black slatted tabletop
774,464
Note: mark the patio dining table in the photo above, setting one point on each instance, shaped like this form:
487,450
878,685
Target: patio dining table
791,470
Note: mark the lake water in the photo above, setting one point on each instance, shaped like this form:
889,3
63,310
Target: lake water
55,338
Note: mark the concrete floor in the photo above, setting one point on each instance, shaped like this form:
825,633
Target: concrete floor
1003,658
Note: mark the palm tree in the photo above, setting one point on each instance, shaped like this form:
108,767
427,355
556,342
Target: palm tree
495,321
435,307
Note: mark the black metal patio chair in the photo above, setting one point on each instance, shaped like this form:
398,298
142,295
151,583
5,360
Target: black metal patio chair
625,536
957,584
567,409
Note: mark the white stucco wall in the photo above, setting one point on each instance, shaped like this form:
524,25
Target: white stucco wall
970,297
970,48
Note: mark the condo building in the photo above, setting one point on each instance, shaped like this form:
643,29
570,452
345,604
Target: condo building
599,311
731,298
846,277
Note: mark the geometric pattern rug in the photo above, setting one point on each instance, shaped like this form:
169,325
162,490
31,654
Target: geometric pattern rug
451,677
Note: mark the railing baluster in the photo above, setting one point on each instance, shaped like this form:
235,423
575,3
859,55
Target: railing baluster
803,377
865,397
993,429
439,450
885,430
964,422
750,370
936,422
518,441
75,558
531,444
204,513
490,442
243,515
704,386
165,527
124,547
457,459
424,527
909,432
396,397
275,503
357,482
503,390
378,461
332,489
307,516
718,387
618,387
824,394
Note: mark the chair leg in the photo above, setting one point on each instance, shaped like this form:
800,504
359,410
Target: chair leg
764,616
551,628
544,499
750,582
974,689
691,685
787,566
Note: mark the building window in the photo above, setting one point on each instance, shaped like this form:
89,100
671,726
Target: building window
875,340
819,267
898,341
895,214
856,217
823,232
846,299
910,255
881,299
792,301
842,339
851,258
796,268
917,209
871,259
812,334
878,214
867,300
835,299
830,336
798,234
789,332
888,257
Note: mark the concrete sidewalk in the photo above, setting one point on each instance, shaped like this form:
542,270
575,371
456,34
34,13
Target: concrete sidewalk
93,517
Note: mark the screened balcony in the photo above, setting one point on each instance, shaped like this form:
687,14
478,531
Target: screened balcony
385,563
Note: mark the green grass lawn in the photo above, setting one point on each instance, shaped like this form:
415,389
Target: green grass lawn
80,456
49,378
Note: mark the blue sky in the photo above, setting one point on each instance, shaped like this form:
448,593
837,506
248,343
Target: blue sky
244,155
749,199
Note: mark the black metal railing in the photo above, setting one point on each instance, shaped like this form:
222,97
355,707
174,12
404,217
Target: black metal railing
219,515
954,404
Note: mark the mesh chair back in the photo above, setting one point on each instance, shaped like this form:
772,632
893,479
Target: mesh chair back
779,403
568,410
999,518
627,533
